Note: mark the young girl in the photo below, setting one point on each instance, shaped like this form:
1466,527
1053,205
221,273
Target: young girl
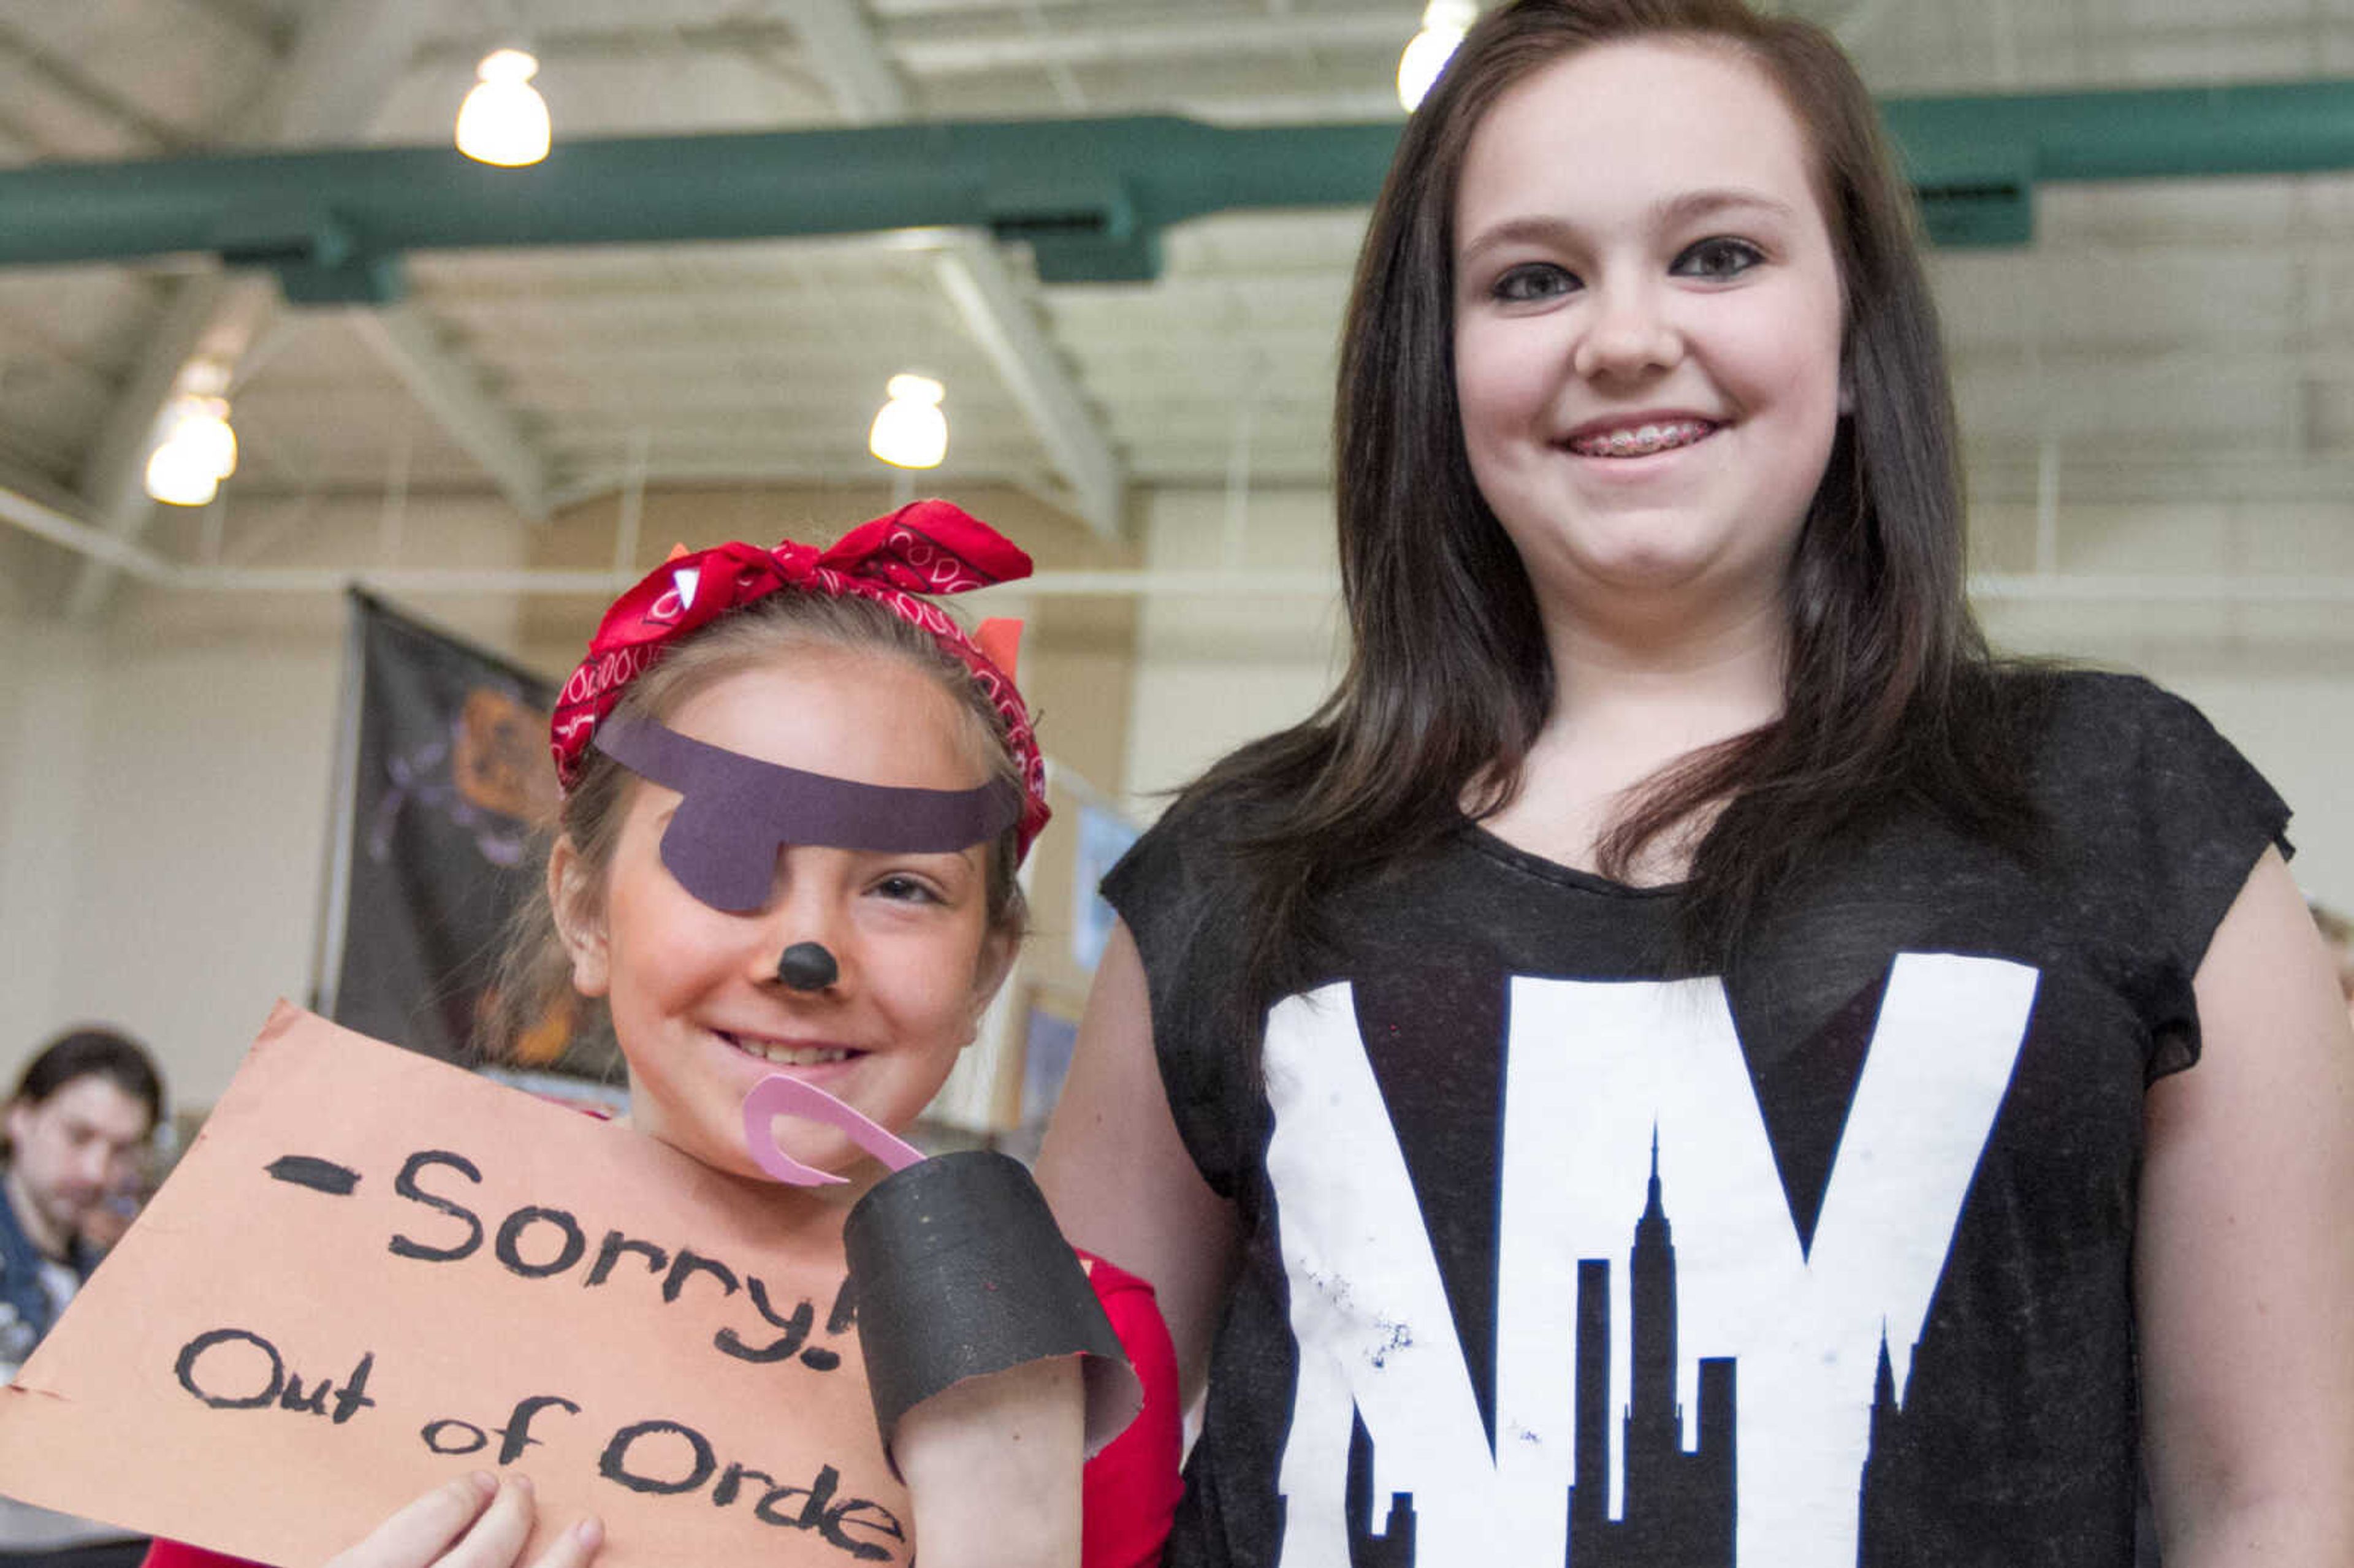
1684,1059
805,927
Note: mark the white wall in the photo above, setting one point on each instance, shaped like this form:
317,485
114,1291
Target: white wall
163,782
45,718
1212,673
199,806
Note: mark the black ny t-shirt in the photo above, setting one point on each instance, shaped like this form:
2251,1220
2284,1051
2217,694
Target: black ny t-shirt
1554,1257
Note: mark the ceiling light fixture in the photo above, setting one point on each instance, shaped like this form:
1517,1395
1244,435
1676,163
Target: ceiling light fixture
504,119
1444,23
196,450
911,431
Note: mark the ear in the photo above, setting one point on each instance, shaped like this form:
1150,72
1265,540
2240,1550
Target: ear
580,919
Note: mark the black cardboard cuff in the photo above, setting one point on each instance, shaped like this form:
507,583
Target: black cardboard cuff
959,1272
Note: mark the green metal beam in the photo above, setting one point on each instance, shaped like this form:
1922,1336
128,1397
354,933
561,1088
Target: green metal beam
1974,160
1091,196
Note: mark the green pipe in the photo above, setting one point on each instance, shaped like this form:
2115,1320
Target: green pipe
2280,128
1091,196
1096,190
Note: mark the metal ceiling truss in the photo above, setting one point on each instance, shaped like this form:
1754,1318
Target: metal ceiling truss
976,278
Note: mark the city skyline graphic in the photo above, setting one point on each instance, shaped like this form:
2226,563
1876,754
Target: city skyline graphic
1679,1506
1700,1283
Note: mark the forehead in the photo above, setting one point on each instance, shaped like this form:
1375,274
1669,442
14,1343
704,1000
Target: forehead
1606,133
97,1103
861,714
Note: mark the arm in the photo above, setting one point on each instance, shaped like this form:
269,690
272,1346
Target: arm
2244,1253
1120,1181
993,1468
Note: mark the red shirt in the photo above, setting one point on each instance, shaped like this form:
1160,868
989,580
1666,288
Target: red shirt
1128,1492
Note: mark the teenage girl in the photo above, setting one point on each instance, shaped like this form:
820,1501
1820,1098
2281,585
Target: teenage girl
1684,1058
828,663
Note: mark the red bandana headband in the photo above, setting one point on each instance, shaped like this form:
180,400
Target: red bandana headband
925,547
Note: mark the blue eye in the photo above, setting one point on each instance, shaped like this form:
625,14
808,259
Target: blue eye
1718,259
1532,282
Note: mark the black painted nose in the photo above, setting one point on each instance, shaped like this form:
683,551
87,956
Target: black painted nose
806,966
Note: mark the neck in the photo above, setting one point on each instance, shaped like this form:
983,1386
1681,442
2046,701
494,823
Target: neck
1668,688
46,1237
1632,696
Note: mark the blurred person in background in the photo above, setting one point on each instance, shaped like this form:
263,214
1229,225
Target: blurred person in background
77,1128
104,1222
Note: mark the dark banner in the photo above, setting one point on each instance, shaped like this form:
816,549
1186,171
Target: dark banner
442,778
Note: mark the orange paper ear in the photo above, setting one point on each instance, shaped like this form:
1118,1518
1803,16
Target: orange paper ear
675,552
1001,639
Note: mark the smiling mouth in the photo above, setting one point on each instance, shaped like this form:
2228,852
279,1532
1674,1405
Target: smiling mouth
1643,440
777,1053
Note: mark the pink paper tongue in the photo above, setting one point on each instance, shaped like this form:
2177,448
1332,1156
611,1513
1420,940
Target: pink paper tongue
782,1095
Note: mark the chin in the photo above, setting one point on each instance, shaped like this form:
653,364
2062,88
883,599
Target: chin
816,1148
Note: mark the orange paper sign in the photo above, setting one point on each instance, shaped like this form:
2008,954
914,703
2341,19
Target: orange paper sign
373,1272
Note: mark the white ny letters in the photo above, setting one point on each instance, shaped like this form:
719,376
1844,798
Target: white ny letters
1594,1070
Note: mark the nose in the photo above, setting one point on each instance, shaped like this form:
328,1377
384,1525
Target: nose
94,1164
1630,334
808,966
804,958
802,943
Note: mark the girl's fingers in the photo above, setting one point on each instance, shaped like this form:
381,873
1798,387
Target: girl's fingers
451,1526
497,1537
575,1547
421,1531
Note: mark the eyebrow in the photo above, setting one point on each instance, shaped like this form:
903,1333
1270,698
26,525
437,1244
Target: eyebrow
1685,207
1706,203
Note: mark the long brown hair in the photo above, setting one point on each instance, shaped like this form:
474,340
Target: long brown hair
1890,690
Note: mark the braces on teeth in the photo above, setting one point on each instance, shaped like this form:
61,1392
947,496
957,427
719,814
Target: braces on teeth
1643,440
